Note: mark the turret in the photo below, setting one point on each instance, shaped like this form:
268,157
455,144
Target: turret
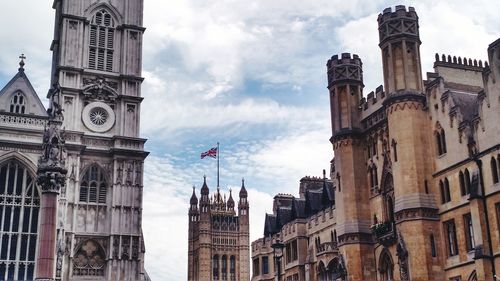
345,82
230,201
400,45
193,209
243,204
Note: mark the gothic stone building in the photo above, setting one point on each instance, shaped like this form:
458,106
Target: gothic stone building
415,173
97,51
218,237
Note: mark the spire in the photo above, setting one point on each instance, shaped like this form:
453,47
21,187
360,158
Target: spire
243,190
204,188
230,201
21,63
194,199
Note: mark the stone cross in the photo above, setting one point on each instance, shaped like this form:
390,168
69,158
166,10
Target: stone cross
21,63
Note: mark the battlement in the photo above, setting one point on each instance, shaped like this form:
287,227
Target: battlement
372,99
400,11
346,69
398,23
345,58
459,62
309,178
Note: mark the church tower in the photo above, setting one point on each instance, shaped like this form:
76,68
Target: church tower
97,58
218,236
345,83
416,212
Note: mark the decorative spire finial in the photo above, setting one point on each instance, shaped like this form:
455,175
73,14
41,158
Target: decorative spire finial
242,182
21,63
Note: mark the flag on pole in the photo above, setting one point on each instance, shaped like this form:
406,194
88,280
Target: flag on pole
210,153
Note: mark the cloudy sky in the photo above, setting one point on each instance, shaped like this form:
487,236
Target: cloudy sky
249,74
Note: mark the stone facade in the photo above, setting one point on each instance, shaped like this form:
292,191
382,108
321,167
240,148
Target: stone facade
97,58
416,172
218,237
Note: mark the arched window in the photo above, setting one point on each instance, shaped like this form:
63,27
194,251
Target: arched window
461,179
373,176
386,267
101,43
19,209
467,182
89,260
215,267
447,190
232,268
93,188
494,170
18,103
441,189
440,139
224,268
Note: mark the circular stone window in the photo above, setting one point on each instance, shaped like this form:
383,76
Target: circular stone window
98,117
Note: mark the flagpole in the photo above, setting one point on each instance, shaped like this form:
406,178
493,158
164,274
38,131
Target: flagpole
218,153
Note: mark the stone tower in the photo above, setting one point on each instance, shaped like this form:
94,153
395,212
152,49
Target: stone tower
218,237
97,58
415,209
345,83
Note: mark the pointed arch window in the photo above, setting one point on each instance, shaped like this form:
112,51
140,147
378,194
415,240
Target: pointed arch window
386,267
466,182
93,188
102,41
232,268
18,103
224,268
440,140
19,214
90,259
494,170
215,267
444,187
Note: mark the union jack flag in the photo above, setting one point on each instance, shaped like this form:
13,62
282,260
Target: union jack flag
210,153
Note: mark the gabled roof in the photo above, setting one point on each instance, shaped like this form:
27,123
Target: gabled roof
21,83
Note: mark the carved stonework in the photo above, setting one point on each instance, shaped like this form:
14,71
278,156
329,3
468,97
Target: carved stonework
417,213
402,253
99,89
51,165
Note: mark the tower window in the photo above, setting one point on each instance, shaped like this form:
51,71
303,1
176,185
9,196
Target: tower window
18,103
101,41
469,232
89,260
494,170
94,187
441,141
451,237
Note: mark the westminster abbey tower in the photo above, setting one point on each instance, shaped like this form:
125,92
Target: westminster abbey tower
97,59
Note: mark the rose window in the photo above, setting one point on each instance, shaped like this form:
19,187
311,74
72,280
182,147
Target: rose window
98,116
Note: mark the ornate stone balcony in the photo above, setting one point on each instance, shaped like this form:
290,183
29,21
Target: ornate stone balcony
385,232
326,248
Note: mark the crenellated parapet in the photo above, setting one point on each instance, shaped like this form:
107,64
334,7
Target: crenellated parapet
345,69
399,23
459,62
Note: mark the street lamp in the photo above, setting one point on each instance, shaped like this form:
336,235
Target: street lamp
278,254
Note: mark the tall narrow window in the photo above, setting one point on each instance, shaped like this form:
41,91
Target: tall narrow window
394,145
438,142
469,232
451,237
441,189
18,103
447,190
461,179
265,265
433,246
232,268
101,41
224,268
256,267
443,141
467,181
494,170
93,188
215,267
19,209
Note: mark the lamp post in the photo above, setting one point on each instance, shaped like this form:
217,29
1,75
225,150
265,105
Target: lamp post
278,254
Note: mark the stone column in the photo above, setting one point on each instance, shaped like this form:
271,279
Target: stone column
51,177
